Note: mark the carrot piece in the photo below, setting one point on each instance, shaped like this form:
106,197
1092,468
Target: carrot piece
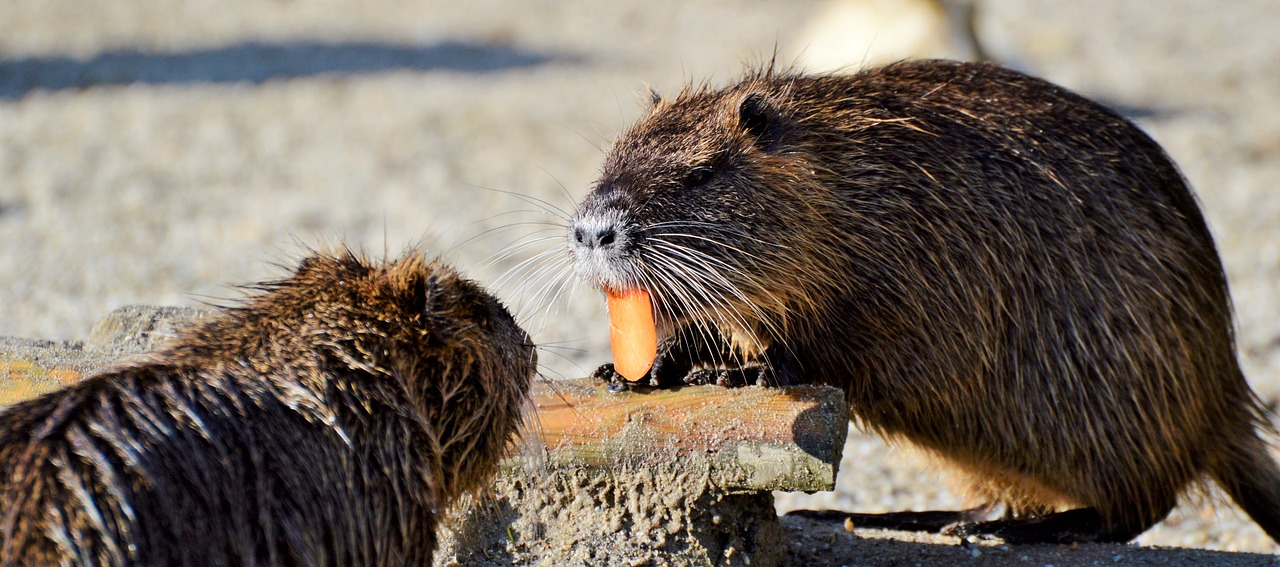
632,333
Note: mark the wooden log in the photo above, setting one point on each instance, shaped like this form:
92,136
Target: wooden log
751,439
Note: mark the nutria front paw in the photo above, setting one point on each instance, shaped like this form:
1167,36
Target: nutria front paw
707,376
608,376
752,375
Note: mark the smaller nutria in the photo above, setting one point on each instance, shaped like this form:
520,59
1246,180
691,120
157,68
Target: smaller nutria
993,268
328,420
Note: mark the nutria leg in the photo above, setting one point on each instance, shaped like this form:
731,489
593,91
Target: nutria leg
934,521
1071,526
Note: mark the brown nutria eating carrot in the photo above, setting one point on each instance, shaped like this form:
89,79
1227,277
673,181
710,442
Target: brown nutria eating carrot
993,268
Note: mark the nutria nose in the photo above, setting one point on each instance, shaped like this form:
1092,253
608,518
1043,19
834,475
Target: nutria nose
603,237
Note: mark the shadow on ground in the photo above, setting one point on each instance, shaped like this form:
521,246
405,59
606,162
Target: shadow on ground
257,62
817,542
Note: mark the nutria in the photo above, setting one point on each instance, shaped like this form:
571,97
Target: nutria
328,420
995,269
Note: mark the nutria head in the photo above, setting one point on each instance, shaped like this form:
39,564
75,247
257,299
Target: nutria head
446,344
714,204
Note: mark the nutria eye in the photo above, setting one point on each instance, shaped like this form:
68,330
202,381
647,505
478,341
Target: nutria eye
697,176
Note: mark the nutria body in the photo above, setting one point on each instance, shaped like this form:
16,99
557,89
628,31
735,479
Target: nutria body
992,267
327,421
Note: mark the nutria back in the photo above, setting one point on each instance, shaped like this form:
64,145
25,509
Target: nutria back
328,420
994,268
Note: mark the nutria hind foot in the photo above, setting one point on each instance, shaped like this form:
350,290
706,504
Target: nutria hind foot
1072,526
932,521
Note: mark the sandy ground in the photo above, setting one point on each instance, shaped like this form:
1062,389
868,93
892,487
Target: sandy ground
158,152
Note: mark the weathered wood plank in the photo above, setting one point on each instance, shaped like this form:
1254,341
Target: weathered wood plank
751,438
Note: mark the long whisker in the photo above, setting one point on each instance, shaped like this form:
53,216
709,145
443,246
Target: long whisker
540,203
695,269
684,293
556,283
707,262
502,228
712,276
704,257
734,231
754,257
513,249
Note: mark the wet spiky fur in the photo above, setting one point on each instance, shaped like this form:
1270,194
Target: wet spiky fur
994,269
327,421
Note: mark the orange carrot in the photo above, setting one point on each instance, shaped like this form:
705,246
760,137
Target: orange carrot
632,333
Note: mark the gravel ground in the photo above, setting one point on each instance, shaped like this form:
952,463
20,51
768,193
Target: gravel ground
158,152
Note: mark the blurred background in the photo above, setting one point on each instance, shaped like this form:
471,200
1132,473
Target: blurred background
160,152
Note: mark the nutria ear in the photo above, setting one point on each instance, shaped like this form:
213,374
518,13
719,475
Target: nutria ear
425,294
315,266
419,293
655,98
307,264
760,120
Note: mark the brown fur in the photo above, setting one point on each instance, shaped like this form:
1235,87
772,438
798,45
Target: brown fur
327,421
994,268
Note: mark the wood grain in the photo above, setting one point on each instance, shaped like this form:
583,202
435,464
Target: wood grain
750,438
